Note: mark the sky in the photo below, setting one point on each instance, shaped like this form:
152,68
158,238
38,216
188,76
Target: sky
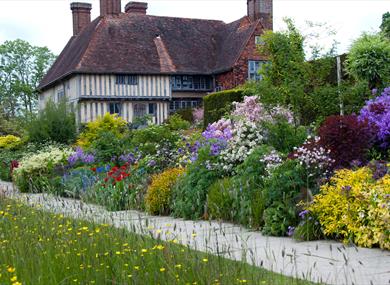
49,22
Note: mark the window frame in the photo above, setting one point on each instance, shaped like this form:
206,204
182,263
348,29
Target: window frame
123,79
117,107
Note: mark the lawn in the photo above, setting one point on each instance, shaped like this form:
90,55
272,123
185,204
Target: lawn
37,247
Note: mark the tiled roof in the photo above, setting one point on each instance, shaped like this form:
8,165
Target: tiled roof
143,44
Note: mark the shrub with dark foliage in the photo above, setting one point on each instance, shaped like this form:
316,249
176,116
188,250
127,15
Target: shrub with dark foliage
347,138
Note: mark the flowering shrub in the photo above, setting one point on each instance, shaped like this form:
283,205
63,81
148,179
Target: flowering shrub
80,157
314,158
246,136
35,169
347,138
232,140
114,191
113,123
9,142
355,207
254,111
220,130
271,161
377,113
198,114
158,196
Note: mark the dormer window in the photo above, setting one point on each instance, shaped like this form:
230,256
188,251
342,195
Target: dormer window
126,80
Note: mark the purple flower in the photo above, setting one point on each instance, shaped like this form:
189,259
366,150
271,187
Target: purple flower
290,231
303,214
152,163
379,169
79,156
377,113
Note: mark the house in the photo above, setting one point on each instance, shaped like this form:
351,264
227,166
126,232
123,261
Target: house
134,64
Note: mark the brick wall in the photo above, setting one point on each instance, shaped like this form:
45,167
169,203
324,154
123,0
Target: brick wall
239,74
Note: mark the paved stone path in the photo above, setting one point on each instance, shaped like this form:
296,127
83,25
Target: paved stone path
327,262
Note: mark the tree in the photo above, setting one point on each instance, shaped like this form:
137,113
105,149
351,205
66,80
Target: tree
22,66
55,123
368,60
289,79
385,26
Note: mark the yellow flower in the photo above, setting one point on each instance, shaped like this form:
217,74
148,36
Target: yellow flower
162,269
11,269
205,260
14,279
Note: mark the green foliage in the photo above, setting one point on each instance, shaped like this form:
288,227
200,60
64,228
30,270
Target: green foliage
108,123
249,200
22,66
308,229
158,196
107,146
291,81
368,60
220,200
385,26
326,99
55,123
148,138
216,105
186,114
283,136
190,192
240,199
175,122
279,217
286,182
11,126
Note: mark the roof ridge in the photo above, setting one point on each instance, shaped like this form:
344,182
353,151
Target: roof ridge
172,17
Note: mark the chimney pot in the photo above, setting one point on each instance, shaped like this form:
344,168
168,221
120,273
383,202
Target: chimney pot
81,16
136,8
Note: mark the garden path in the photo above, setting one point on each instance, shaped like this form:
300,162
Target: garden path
329,262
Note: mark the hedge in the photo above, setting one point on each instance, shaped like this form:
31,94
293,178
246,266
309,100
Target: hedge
216,105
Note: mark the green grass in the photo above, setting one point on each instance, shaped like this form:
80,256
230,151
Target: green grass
37,247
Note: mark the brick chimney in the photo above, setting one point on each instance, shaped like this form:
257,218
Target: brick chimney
136,8
261,10
81,16
110,7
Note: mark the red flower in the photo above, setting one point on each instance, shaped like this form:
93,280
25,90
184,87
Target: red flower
93,169
106,179
118,178
123,167
114,169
